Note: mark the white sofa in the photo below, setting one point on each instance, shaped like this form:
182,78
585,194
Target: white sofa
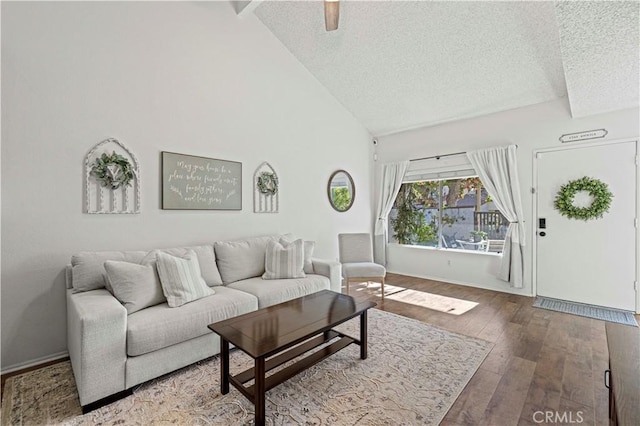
111,351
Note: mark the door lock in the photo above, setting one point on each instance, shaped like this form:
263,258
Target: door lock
542,233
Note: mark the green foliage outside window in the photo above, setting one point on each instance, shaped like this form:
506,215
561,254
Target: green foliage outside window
410,225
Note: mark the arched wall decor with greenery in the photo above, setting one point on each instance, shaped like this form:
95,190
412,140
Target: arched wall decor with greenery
599,190
112,179
266,190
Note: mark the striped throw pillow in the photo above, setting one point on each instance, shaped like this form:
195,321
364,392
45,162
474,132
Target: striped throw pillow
284,259
181,279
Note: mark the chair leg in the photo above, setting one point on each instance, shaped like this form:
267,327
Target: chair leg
347,284
382,286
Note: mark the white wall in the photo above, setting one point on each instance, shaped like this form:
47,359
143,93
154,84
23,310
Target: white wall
185,77
531,128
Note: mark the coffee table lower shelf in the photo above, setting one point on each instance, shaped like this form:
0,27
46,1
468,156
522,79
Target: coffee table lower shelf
256,392
285,374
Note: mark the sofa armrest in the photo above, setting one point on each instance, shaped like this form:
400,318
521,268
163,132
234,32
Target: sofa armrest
96,339
330,269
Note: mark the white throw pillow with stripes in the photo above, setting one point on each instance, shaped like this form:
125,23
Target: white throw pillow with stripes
284,259
181,278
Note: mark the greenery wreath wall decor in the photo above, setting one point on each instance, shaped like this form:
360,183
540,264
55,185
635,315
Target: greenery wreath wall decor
266,191
596,188
111,179
268,183
112,171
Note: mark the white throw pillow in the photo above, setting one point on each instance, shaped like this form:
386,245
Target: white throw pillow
181,278
284,259
135,286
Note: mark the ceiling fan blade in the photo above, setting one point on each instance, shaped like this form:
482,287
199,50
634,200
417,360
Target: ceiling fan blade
331,14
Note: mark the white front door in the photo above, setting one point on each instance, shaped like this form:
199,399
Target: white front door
592,261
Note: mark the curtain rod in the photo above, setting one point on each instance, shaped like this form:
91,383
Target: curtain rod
437,157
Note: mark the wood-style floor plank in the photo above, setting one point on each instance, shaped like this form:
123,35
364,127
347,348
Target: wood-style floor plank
601,399
546,387
473,401
542,361
510,396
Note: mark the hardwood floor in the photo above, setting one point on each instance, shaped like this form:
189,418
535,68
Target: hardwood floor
542,360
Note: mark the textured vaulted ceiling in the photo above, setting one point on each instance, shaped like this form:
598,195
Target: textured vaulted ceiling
398,65
601,54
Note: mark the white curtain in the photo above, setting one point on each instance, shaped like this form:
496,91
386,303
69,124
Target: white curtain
498,172
392,175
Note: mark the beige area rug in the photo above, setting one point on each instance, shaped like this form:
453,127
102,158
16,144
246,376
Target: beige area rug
412,376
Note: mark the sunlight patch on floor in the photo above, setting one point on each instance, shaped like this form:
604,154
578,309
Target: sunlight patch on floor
436,302
449,305
388,289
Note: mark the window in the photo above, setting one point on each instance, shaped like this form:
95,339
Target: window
448,213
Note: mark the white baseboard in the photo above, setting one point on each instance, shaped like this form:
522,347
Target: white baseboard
34,362
506,289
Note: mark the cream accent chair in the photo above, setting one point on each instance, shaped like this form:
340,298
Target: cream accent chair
356,256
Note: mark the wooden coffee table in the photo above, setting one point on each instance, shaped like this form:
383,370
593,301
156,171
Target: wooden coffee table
271,332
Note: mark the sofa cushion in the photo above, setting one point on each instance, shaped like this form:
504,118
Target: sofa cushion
87,267
181,278
160,326
206,259
271,292
284,259
135,286
241,259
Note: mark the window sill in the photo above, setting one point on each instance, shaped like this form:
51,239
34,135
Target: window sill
448,250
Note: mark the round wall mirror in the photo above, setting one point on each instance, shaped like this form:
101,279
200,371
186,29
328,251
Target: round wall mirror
341,190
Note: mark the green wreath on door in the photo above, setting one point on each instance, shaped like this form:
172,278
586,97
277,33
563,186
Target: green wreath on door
599,190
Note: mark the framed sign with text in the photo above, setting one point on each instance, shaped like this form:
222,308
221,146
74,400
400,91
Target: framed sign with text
583,136
200,183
